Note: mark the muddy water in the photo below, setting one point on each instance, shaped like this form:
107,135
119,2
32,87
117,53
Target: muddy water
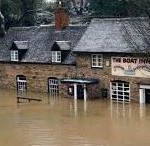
63,122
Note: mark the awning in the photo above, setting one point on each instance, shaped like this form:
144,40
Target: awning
80,80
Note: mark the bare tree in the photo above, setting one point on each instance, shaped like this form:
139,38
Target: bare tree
76,7
2,27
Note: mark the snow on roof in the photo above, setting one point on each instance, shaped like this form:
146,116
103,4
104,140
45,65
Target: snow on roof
21,44
63,45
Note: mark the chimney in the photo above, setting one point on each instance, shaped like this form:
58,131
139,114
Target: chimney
61,17
2,25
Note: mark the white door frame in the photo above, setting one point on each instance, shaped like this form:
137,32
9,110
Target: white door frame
76,90
142,93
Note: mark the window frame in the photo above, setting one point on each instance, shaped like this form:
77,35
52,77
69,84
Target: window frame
56,56
97,60
21,83
53,86
120,91
14,55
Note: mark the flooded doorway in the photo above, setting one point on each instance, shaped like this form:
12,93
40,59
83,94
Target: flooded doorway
147,96
80,91
144,92
79,86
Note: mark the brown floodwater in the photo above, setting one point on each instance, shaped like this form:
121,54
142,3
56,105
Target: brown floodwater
65,122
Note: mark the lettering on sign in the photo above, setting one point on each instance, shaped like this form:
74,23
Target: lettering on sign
126,66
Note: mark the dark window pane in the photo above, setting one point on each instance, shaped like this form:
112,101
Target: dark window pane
120,93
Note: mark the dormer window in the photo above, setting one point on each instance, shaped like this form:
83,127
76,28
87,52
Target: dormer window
14,55
56,56
18,50
60,51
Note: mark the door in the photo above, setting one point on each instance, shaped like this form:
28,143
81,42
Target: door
147,95
80,92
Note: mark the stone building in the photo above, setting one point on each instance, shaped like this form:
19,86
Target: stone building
75,61
105,53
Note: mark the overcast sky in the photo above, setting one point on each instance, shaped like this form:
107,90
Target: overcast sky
50,0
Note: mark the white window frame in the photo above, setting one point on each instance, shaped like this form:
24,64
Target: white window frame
97,60
53,85
14,55
120,91
21,84
56,56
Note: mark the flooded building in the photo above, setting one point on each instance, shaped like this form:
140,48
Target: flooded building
76,61
114,51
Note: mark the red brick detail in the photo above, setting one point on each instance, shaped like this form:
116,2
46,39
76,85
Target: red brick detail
61,19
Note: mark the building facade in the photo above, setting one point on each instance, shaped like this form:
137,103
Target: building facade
76,61
108,53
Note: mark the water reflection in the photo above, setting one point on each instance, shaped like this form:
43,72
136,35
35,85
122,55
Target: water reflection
127,110
120,110
142,111
52,100
78,107
57,121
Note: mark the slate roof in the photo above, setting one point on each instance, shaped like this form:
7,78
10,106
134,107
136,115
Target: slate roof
40,40
110,35
102,35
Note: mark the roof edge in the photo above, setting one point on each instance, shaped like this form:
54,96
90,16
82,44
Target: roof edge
119,19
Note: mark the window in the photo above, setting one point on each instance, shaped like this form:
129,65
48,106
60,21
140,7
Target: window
120,91
53,86
56,56
14,55
97,60
21,83
71,90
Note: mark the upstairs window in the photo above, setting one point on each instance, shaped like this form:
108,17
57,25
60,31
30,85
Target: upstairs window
14,55
97,60
56,56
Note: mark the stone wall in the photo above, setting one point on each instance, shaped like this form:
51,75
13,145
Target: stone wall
36,74
94,91
104,75
64,91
